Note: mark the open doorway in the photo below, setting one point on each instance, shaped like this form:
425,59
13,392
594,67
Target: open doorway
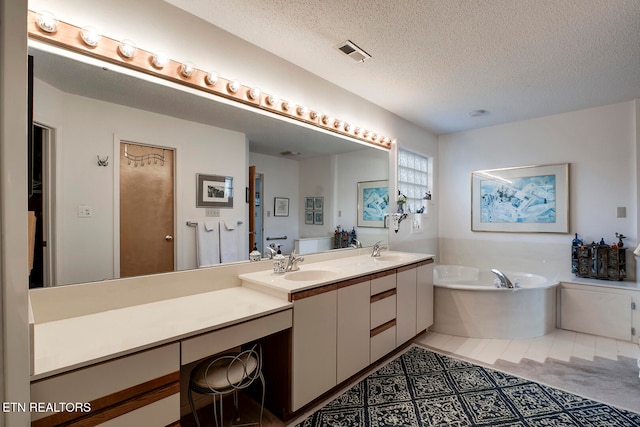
39,203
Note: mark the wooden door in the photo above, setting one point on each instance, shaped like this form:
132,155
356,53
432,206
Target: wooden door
146,209
252,207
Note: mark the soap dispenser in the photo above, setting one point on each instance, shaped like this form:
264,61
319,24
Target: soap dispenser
255,254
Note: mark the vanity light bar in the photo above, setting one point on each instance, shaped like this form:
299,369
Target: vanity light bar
127,54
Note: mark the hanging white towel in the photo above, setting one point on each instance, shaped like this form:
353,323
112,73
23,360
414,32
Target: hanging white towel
228,242
208,243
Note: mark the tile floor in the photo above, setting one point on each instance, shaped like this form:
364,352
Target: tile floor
560,345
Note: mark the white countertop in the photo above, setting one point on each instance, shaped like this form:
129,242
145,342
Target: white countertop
79,341
340,269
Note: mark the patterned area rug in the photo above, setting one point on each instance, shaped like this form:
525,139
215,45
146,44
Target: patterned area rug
422,388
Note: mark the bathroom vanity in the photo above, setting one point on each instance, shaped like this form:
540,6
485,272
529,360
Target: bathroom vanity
123,349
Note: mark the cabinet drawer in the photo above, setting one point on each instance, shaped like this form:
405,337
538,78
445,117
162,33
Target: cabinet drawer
382,282
140,379
383,311
383,343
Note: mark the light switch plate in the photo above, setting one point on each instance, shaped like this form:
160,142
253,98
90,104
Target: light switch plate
622,212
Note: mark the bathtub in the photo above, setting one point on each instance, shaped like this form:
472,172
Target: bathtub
467,303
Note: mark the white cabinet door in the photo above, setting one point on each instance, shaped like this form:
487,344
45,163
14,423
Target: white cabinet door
424,297
353,329
314,347
406,305
597,313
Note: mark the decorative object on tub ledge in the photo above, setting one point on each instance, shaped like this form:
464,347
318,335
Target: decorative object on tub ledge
599,260
402,199
526,199
373,203
280,206
214,191
424,388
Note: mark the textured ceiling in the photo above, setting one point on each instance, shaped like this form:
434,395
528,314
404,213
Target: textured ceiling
434,61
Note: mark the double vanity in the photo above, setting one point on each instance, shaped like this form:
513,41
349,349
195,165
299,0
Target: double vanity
127,347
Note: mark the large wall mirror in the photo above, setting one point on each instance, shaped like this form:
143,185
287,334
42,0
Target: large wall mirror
97,122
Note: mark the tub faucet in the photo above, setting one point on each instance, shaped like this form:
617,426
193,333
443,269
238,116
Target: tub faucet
504,280
377,248
292,263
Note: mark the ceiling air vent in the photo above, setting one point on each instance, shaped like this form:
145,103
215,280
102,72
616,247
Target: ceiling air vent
350,49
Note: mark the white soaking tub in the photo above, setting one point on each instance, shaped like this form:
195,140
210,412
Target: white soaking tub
468,303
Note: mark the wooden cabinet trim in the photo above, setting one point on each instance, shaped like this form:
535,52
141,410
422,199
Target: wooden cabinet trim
380,329
313,292
117,404
426,262
383,295
407,267
383,273
354,281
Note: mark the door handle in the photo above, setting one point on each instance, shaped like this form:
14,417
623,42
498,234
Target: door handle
168,238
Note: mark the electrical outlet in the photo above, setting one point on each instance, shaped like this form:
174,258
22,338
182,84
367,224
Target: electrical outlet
212,212
85,211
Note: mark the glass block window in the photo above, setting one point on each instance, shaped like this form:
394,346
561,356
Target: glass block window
413,178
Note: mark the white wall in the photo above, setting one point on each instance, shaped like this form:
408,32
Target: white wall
354,167
599,144
281,179
86,128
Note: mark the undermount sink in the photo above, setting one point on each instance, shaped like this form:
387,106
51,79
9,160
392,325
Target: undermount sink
310,275
390,258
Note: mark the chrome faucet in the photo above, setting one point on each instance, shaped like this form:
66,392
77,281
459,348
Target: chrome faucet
271,252
355,243
504,280
377,248
292,263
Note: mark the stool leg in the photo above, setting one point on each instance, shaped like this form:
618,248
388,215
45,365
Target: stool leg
193,408
263,393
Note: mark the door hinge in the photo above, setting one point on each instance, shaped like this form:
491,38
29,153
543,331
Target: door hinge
633,306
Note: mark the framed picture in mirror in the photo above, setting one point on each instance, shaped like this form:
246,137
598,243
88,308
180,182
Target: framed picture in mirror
373,203
308,217
318,217
214,191
308,203
280,206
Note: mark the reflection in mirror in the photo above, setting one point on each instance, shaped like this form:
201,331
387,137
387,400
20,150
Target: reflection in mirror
87,110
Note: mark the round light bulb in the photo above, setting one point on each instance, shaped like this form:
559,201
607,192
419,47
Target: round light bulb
286,105
47,21
347,127
337,124
233,86
90,36
127,48
357,131
313,115
271,100
160,59
254,93
326,120
187,69
211,78
302,110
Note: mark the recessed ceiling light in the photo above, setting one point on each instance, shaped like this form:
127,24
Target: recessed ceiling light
478,113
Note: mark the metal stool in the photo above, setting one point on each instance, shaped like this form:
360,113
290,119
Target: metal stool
221,375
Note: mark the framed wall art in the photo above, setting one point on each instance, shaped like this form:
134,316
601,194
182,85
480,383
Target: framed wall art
527,199
280,206
214,191
373,203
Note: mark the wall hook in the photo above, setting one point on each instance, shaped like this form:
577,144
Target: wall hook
102,162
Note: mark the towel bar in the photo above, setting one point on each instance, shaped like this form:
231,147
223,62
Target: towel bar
193,223
277,238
